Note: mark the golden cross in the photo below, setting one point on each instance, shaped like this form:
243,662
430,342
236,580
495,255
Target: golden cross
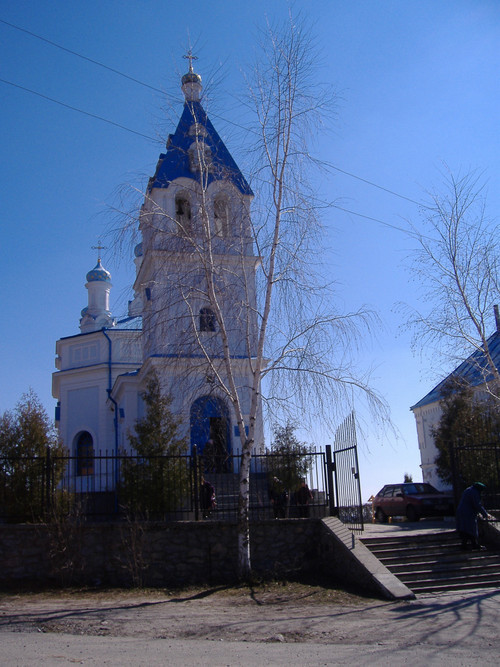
99,247
190,57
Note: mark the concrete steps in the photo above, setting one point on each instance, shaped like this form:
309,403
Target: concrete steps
433,562
226,487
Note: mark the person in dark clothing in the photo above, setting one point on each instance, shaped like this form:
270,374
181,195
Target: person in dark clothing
303,497
207,498
469,507
278,497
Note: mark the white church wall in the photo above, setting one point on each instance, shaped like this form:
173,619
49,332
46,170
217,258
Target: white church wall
80,413
427,418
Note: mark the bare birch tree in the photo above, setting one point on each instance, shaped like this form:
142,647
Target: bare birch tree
242,299
457,266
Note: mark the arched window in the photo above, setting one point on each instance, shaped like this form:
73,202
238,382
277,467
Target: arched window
84,454
207,320
183,213
221,217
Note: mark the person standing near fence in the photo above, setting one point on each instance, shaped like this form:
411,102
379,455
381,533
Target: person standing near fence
469,507
278,497
207,498
303,498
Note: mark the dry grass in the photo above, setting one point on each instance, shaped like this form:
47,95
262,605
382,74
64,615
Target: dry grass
258,593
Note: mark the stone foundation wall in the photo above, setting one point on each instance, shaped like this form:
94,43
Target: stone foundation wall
151,554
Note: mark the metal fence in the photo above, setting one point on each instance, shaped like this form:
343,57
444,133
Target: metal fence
476,463
105,487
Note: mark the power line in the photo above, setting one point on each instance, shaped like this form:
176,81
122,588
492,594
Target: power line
214,115
141,134
368,217
146,85
111,69
158,90
86,113
375,185
79,55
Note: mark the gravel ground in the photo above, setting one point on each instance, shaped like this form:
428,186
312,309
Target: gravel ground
268,624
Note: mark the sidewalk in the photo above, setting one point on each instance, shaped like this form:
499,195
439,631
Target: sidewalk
401,527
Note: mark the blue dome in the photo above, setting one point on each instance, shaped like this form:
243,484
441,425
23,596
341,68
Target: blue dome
138,250
99,274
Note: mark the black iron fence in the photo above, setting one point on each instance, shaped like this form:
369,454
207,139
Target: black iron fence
476,463
106,486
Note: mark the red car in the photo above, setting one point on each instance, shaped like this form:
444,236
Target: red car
412,500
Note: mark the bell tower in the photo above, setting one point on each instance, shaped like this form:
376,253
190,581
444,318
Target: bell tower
195,270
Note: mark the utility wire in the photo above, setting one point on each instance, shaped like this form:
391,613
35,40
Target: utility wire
146,85
79,55
86,113
111,69
158,90
368,217
141,134
375,185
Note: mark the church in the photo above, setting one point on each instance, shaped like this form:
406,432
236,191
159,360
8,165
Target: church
194,307
475,372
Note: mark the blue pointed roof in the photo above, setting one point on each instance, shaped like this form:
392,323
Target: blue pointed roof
474,370
175,162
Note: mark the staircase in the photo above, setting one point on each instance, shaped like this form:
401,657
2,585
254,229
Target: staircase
226,487
432,562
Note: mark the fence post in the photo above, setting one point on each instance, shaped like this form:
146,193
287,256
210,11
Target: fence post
330,466
196,484
47,503
356,476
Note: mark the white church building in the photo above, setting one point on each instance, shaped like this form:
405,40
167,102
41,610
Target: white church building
427,411
196,198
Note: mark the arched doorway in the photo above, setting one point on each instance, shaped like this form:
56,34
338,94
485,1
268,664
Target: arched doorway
210,432
84,448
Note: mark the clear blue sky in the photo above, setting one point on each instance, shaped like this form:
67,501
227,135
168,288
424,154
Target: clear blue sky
418,84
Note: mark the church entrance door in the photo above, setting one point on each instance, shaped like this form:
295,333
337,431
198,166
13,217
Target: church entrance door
210,432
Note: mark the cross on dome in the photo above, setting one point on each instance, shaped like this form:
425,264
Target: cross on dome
191,82
189,56
99,247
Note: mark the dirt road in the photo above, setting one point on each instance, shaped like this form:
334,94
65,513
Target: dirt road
269,625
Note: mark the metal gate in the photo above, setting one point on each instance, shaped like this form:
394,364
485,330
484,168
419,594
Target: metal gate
343,475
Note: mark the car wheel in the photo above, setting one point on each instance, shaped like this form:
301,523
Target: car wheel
411,513
380,515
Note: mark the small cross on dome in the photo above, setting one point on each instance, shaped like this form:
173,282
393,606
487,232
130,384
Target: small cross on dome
99,247
189,56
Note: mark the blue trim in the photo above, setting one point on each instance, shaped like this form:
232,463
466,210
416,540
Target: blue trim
101,363
115,404
197,356
112,330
